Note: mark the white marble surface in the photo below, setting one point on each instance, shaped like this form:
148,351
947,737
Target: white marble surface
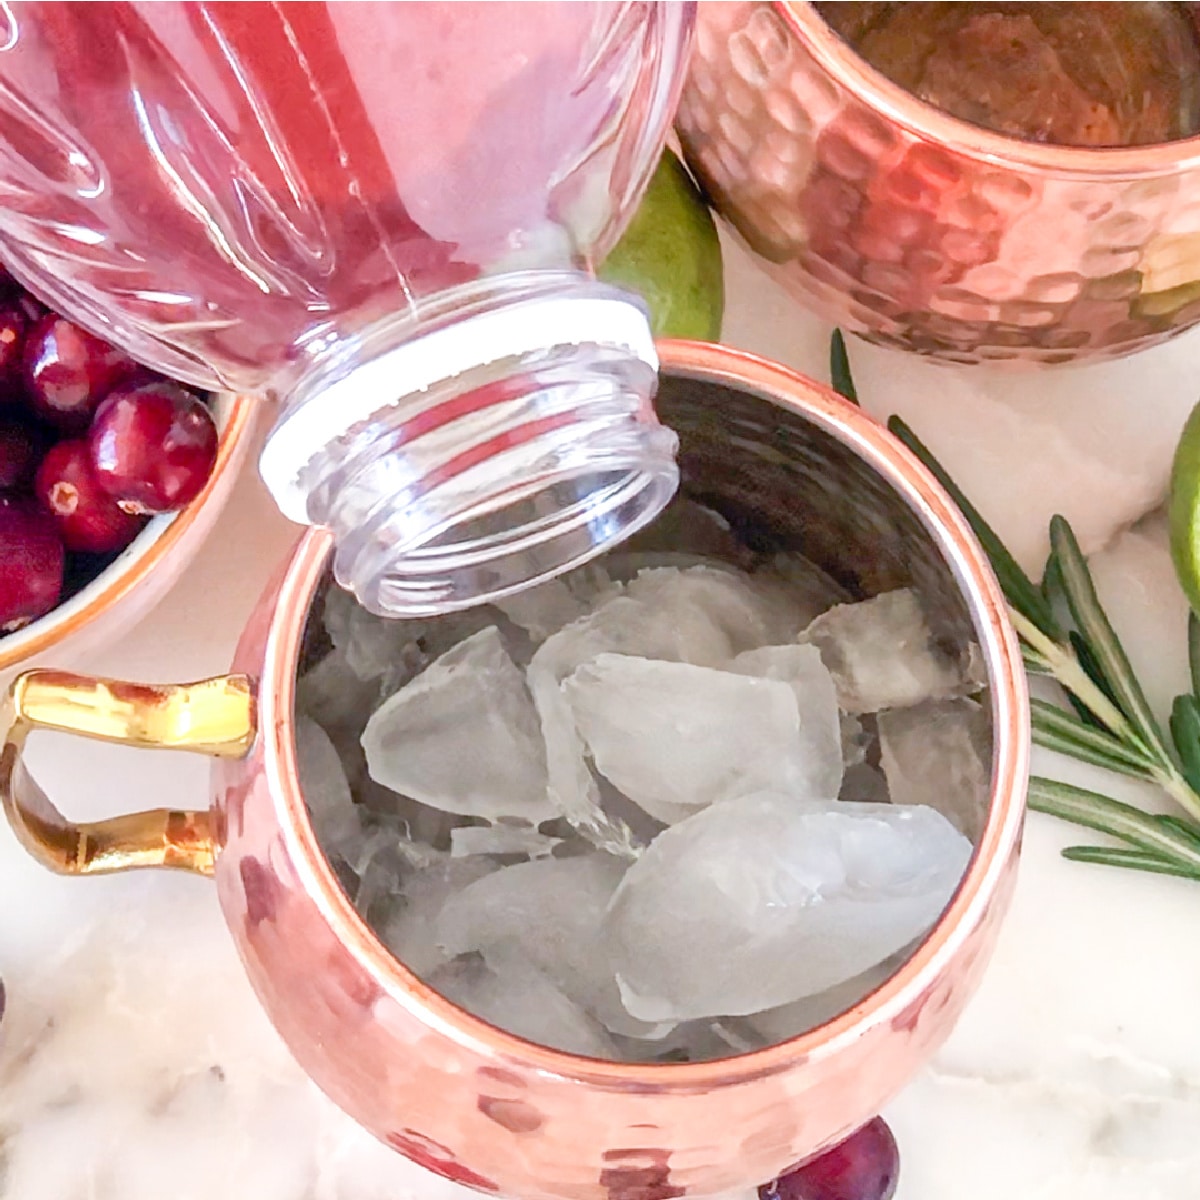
136,1065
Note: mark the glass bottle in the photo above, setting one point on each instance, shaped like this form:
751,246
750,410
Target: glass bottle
384,216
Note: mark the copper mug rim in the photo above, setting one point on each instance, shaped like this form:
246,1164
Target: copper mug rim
1001,833
900,107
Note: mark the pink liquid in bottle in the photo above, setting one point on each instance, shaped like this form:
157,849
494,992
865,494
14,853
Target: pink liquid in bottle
384,215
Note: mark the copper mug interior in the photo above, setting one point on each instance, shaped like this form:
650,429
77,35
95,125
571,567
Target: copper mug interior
792,467
920,231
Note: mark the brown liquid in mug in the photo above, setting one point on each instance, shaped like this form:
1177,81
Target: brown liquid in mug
1076,74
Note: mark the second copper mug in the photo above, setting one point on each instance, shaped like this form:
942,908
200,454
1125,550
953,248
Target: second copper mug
793,467
917,230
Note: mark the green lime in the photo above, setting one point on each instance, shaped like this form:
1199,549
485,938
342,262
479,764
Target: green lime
671,256
1184,509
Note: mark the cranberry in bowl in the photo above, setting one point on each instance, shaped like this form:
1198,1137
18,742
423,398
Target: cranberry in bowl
110,477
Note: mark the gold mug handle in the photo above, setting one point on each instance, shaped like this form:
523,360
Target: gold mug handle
213,716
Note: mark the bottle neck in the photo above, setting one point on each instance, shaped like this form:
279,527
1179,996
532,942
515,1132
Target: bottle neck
499,441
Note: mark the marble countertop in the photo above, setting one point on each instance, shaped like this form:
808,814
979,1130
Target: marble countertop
135,1063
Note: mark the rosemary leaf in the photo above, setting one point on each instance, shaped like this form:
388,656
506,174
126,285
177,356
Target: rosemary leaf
1094,627
1091,668
1035,663
839,368
1121,821
1091,664
1052,586
1134,860
1084,713
1025,596
1057,729
1180,826
1185,733
1194,652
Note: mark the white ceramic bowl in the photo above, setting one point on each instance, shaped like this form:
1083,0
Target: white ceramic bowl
132,585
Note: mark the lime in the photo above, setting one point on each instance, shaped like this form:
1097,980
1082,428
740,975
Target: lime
1184,509
671,257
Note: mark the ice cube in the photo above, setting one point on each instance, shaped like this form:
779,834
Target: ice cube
544,609
371,646
675,738
571,790
708,600
687,528
409,929
390,652
693,1041
641,825
791,1020
326,791
787,611
757,902
385,856
882,654
508,991
593,584
702,615
617,624
856,740
865,784
812,590
626,565
822,738
334,696
939,753
501,840
419,823
463,736
391,838
551,910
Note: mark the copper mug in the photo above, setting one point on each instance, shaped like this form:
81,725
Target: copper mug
791,465
917,230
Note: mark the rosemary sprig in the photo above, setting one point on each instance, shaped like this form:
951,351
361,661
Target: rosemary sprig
1065,634
839,368
1058,729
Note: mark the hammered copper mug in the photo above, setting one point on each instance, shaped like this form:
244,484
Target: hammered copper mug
791,466
917,230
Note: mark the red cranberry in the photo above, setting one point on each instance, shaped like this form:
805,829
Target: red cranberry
68,371
866,1166
88,518
21,448
16,316
33,558
153,446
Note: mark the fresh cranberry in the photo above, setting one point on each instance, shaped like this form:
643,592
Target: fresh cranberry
153,446
33,559
17,314
866,1166
140,376
68,371
88,518
21,448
